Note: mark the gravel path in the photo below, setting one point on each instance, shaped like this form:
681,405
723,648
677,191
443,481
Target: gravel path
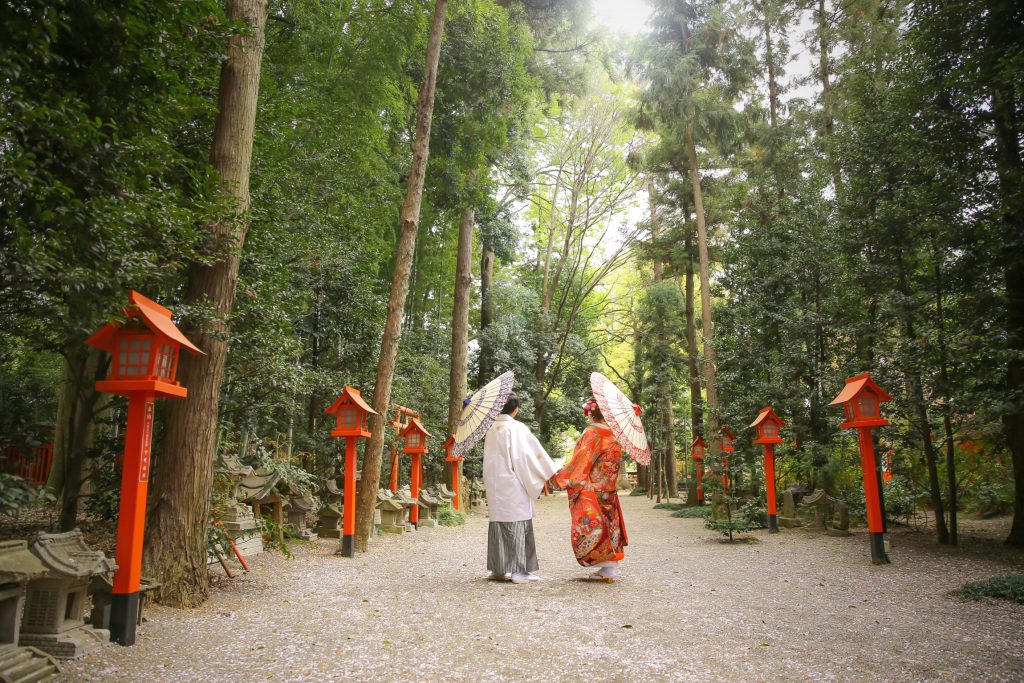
791,607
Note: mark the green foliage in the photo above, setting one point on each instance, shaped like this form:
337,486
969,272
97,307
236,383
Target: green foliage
638,491
991,498
754,514
692,512
728,527
669,506
446,516
17,496
1008,586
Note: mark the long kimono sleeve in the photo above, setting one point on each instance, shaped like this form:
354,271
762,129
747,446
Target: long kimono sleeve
577,471
531,463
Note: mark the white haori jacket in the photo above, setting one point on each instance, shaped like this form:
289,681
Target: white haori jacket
516,467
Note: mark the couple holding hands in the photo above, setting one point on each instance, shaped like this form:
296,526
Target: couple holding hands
515,469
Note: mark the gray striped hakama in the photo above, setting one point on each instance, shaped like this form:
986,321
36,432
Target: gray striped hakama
511,548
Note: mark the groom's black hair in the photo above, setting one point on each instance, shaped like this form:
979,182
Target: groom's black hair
510,405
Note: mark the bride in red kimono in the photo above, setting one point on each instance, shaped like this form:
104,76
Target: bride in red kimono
590,478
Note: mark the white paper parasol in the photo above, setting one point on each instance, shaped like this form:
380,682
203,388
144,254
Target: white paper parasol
622,416
479,412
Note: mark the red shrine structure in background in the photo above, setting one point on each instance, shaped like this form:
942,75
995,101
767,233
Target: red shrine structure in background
861,399
697,449
144,348
768,425
415,435
351,412
456,464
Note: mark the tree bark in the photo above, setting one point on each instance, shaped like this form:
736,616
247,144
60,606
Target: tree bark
696,400
916,394
1010,171
457,380
75,427
405,249
486,364
710,361
175,553
667,421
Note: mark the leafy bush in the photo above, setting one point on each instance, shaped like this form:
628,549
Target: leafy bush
17,495
753,514
1009,586
692,513
992,499
728,527
638,491
900,503
669,506
446,516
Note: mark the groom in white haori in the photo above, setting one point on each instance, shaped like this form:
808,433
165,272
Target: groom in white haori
516,468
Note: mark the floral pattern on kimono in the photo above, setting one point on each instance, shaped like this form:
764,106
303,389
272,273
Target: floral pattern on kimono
598,533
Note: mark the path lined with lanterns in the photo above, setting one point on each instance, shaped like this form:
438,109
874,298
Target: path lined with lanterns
795,606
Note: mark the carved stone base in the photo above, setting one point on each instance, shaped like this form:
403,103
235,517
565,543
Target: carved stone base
68,645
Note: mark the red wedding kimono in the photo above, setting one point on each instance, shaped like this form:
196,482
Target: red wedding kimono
590,478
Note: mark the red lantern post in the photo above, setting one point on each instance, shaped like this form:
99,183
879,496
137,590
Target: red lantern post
768,425
727,438
861,399
401,419
456,466
415,435
351,411
145,362
697,449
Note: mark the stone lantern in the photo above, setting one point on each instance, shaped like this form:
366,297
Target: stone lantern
54,618
697,449
352,412
415,435
767,426
144,349
861,399
17,567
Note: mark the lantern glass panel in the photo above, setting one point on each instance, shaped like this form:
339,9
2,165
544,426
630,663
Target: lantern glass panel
348,418
698,451
867,406
133,356
165,361
414,440
771,430
849,410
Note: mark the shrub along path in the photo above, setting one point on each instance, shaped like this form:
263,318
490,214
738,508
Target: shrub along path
793,606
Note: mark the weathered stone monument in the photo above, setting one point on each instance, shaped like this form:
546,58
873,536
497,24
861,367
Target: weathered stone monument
300,505
54,618
788,519
239,521
818,504
428,509
18,663
393,514
329,517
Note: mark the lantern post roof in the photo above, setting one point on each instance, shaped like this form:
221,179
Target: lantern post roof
698,443
726,432
66,554
415,424
348,394
17,564
153,315
768,414
857,385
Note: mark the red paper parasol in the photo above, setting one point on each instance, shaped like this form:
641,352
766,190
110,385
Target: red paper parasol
479,411
623,417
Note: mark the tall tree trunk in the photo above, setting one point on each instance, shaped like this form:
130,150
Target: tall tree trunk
405,249
947,408
175,553
75,427
696,400
915,388
1010,171
665,388
457,379
827,97
486,364
710,361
